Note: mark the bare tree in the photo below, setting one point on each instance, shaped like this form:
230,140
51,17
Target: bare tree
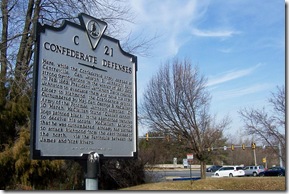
266,126
176,103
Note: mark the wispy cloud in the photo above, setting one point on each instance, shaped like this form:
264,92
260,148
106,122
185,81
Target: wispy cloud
231,75
225,50
171,20
214,33
242,91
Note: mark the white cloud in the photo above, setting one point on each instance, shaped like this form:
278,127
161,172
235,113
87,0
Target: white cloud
231,75
214,33
242,91
225,50
171,20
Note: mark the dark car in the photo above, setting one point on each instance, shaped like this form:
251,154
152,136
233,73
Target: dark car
213,168
274,171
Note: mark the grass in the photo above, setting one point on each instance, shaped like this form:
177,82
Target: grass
216,184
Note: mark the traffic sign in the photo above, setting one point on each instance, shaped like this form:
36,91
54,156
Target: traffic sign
264,160
190,156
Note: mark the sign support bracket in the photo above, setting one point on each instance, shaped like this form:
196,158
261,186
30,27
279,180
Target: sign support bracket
92,172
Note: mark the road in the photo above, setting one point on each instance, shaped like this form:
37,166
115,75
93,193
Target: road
169,174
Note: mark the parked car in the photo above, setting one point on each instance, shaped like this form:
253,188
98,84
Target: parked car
253,170
273,171
213,168
230,171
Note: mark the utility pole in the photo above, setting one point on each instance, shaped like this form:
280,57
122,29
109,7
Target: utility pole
280,153
254,151
253,145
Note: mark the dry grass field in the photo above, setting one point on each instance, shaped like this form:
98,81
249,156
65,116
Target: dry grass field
217,184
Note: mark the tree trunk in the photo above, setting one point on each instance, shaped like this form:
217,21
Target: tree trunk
203,170
21,66
3,52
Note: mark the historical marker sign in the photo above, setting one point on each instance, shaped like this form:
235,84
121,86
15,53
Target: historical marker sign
84,96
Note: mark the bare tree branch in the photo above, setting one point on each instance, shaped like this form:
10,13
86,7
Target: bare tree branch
279,104
268,128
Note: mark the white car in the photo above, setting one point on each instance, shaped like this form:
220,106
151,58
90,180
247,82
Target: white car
230,171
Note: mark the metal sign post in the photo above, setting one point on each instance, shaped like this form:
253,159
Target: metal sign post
190,158
92,172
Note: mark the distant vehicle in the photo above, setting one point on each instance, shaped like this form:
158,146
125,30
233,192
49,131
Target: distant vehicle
230,171
213,168
273,171
185,163
253,170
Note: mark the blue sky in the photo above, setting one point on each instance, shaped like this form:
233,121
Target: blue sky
239,45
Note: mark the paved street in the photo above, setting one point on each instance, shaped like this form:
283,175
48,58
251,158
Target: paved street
160,175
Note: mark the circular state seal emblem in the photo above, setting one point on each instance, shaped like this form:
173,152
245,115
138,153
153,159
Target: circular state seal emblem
93,29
